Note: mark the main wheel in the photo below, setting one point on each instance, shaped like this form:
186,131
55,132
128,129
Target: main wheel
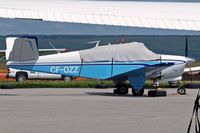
157,93
21,78
137,92
121,89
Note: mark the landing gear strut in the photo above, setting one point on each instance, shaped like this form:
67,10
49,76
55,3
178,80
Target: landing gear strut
156,92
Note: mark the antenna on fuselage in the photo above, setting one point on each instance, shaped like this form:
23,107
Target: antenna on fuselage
54,47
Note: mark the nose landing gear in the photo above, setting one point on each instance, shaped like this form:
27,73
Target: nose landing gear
181,90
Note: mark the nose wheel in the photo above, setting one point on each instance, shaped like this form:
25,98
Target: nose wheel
181,90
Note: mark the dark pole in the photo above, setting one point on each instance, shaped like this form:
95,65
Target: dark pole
186,46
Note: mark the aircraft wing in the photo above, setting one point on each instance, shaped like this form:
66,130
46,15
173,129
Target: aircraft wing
136,70
159,15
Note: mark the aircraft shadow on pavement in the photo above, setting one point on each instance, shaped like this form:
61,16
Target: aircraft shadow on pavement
8,95
112,94
58,95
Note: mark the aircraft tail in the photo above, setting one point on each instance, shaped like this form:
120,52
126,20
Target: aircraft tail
21,48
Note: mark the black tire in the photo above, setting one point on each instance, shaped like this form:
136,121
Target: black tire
121,89
21,77
157,93
138,92
181,91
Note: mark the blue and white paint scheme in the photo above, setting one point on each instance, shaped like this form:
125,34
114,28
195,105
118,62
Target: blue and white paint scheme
119,62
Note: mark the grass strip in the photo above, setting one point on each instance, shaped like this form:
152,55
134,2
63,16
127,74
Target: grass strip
72,84
56,84
63,84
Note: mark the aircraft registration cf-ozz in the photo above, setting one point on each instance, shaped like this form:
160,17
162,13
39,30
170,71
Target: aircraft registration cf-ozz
129,61
159,15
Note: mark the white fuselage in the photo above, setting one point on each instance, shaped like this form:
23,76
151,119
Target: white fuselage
174,73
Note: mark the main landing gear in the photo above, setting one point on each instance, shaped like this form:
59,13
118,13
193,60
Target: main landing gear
137,84
122,89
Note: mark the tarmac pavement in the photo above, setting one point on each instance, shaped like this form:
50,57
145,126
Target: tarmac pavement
92,111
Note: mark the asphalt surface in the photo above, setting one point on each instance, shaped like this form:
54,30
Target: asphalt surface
92,111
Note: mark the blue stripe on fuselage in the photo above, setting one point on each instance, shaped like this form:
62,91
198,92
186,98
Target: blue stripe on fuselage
101,70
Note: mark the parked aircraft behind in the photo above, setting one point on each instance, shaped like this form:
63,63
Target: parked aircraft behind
130,61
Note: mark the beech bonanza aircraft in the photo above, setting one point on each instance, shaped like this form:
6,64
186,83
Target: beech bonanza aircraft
130,61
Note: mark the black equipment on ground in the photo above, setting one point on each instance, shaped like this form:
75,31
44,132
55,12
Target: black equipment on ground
195,115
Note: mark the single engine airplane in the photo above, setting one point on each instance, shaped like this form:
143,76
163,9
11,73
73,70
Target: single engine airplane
121,64
130,61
